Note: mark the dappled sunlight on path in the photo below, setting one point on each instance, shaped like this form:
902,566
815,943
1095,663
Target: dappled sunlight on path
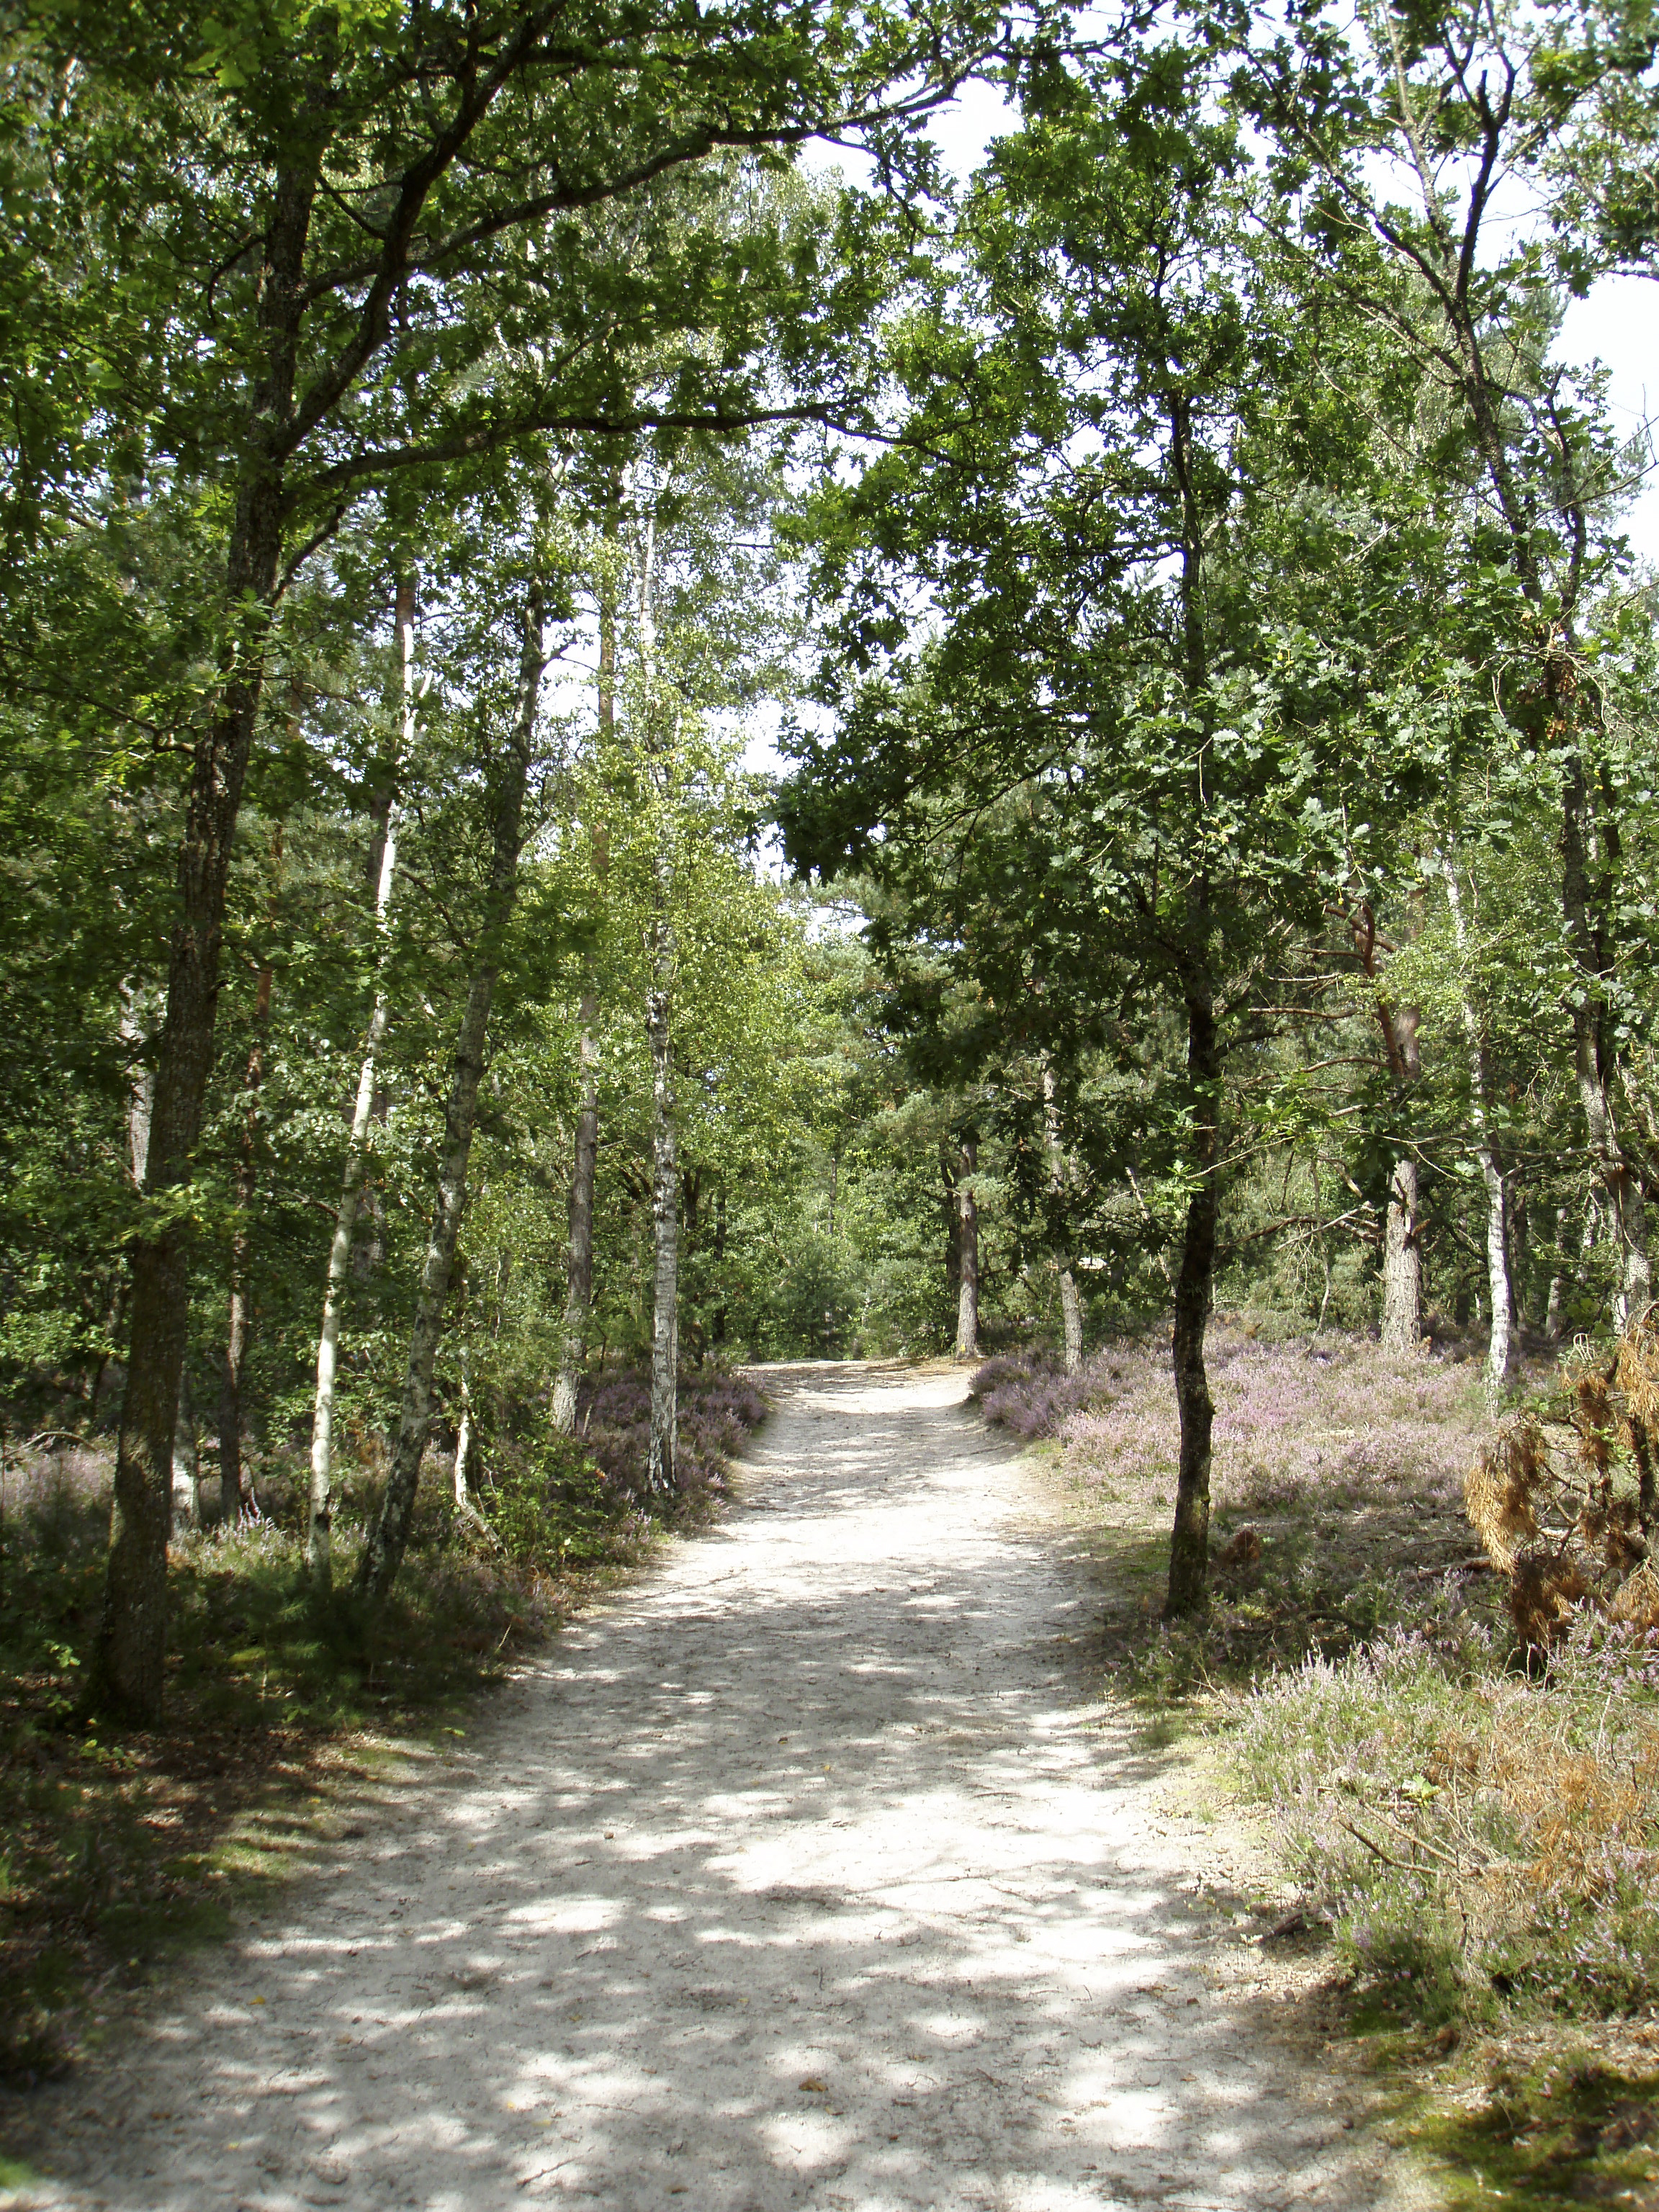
800,1874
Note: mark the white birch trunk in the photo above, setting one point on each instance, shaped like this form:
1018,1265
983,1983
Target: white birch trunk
1501,1349
389,1537
464,1445
319,1520
1071,1305
135,1032
578,1266
664,1222
968,1292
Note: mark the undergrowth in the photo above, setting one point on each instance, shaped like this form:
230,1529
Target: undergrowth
119,1845
1475,1823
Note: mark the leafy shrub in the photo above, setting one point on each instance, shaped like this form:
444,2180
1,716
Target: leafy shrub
1565,1498
554,1509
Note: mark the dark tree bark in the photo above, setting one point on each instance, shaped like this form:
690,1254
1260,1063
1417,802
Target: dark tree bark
950,1212
718,1328
1189,1544
1593,1057
389,1536
128,1668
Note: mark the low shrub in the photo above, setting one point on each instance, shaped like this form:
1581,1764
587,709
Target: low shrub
717,1410
1480,1836
552,1507
1566,1498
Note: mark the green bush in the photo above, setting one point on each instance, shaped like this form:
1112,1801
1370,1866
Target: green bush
552,1508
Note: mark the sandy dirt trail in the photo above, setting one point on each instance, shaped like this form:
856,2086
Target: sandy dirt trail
803,1872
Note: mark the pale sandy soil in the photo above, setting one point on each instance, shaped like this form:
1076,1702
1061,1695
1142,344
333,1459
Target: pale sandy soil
808,1871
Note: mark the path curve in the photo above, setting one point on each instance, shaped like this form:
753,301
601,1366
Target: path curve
800,1874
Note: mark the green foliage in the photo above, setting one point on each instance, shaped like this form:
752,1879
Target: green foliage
551,1510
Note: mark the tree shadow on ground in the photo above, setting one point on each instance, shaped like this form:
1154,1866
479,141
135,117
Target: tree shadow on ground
803,1874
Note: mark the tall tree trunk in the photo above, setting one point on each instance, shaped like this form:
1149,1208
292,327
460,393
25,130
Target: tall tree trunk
1502,1348
1592,1061
466,1506
1402,1249
664,1216
238,1330
464,1450
186,1460
239,1324
1071,1306
579,1265
968,1251
661,1472
1403,1258
129,1667
137,1036
1189,1543
319,1514
1070,1320
950,1212
718,1328
389,1537
1550,1326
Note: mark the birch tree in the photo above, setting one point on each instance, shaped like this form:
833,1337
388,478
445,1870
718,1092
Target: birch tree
291,245
1503,1350
320,1517
508,766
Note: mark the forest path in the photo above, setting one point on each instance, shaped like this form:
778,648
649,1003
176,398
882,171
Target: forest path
803,1872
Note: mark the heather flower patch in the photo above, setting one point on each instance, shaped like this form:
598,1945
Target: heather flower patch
1337,1490
717,1410
1335,1415
1476,1826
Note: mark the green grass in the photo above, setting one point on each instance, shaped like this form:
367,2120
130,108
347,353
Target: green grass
1559,2127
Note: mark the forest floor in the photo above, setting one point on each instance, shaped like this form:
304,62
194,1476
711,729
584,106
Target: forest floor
810,1867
